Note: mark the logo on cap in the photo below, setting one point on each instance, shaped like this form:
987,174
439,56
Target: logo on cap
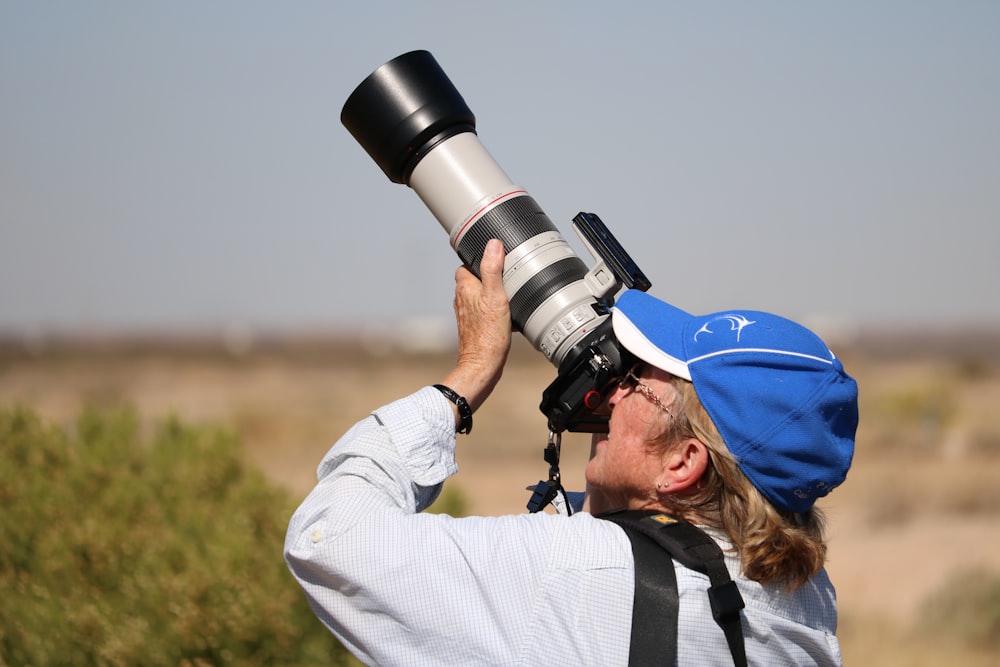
736,323
815,490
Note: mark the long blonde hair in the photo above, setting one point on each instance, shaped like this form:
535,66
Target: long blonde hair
774,546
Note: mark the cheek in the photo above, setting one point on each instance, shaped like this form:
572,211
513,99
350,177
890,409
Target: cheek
624,457
614,460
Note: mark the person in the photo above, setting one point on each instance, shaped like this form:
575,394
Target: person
736,422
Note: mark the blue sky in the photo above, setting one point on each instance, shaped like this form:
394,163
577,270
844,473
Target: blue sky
175,166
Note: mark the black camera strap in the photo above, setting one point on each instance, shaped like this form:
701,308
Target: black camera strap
656,539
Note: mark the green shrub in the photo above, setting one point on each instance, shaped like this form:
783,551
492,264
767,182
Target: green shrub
162,549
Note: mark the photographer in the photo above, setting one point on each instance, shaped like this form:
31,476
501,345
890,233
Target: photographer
739,439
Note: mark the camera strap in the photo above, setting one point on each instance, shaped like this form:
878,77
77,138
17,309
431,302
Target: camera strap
656,539
545,492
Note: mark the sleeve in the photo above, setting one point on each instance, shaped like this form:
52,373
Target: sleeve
400,587
400,455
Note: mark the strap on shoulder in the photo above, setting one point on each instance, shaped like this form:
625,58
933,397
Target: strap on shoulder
692,548
655,603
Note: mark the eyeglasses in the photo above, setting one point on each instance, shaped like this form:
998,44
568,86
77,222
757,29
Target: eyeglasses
630,381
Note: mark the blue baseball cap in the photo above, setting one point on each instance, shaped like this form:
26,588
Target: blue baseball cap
781,400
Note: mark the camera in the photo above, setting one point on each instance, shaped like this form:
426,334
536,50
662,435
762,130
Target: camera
412,121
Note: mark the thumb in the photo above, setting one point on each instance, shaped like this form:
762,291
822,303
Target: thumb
491,266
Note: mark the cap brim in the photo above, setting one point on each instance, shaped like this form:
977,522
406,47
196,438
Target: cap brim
652,330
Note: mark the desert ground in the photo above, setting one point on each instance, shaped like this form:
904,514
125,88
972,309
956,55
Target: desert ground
920,507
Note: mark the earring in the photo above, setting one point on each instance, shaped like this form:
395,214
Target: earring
662,486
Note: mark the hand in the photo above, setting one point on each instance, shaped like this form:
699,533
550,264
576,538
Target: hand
482,312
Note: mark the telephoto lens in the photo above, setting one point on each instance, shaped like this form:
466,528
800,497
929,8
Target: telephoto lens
416,126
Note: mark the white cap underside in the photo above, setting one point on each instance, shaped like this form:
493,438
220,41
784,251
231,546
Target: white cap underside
635,342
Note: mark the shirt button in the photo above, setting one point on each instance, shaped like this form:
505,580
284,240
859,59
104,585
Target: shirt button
316,535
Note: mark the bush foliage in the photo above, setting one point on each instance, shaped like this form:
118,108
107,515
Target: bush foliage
127,548
967,609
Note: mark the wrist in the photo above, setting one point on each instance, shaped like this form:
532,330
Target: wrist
474,385
462,409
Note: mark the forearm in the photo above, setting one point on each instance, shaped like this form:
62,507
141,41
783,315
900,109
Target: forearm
482,313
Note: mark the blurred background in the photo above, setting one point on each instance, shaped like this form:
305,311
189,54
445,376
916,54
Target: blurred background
188,233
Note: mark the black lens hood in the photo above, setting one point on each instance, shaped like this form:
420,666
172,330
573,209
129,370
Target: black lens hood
402,110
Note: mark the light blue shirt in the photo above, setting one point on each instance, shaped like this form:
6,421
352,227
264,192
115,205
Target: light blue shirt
398,587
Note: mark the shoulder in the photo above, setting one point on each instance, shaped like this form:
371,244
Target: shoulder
591,542
780,626
813,604
579,542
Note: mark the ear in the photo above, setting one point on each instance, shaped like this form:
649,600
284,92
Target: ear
683,465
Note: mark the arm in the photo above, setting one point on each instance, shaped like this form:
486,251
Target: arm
401,587
385,579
